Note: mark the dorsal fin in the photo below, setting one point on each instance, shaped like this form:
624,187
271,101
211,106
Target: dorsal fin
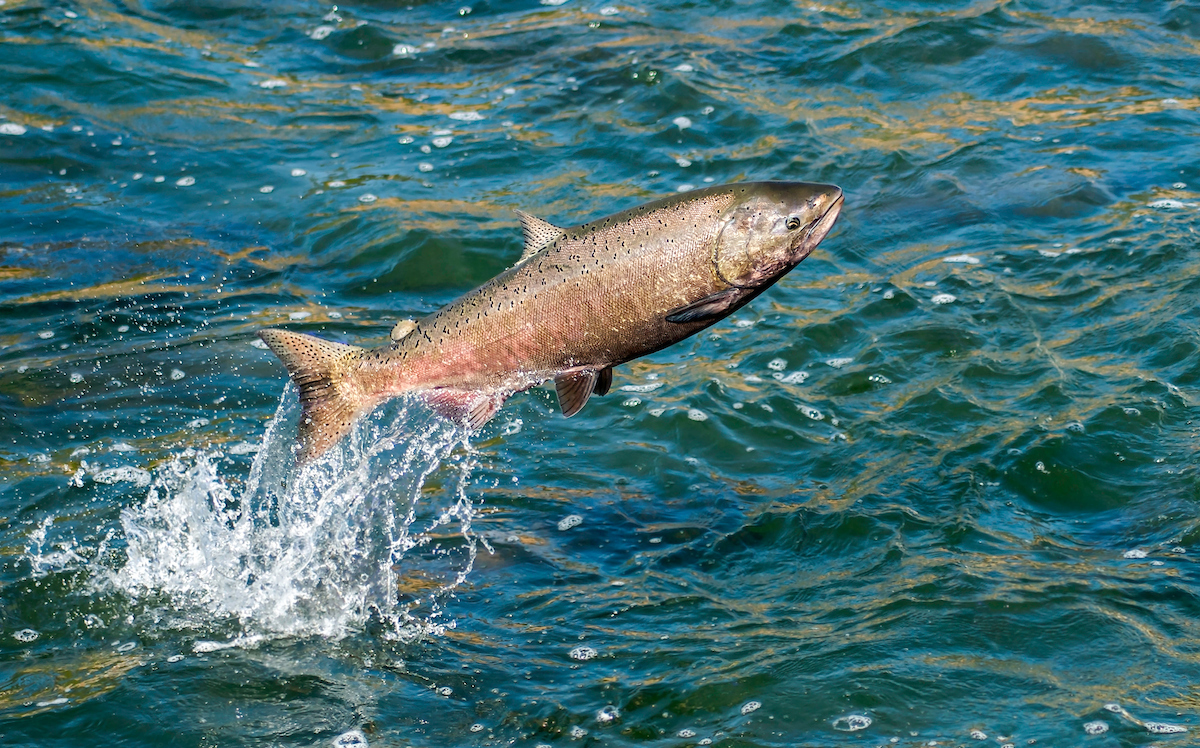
538,234
403,328
574,388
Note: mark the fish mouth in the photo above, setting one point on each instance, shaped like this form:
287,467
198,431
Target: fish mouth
820,228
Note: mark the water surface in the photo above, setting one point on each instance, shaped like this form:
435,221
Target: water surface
937,485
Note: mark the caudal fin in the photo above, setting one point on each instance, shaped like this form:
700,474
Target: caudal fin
330,398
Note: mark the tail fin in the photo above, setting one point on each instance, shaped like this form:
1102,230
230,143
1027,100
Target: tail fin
330,399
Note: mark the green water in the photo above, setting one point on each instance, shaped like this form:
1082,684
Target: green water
936,485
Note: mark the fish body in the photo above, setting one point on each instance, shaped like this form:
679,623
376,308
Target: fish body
580,301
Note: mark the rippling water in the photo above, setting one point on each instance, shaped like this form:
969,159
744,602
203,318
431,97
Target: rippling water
937,485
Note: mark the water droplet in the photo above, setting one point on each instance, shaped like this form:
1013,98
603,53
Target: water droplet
177,374
683,162
424,166
185,181
298,172
160,179
76,377
442,142
266,189
682,123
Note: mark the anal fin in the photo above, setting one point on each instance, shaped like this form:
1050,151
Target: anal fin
603,381
470,409
715,305
574,389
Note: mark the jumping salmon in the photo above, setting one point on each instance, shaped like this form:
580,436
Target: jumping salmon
579,302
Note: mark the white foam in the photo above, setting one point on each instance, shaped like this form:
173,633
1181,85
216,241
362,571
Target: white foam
467,116
683,67
124,474
1097,727
569,521
321,32
609,10
838,363
944,298
648,387
751,706
608,715
26,635
964,259
552,2
314,551
273,83
696,414
424,166
367,198
185,181
1134,553
777,364
682,123
267,189
582,654
443,141
11,128
852,723
177,374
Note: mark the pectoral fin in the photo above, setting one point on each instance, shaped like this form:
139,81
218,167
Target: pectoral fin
715,306
574,389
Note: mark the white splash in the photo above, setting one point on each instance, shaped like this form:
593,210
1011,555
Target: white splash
324,550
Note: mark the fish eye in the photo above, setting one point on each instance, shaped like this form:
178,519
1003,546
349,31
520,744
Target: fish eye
793,223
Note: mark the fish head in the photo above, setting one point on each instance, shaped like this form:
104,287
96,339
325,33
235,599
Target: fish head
770,227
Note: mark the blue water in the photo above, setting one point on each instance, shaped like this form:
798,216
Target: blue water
937,486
